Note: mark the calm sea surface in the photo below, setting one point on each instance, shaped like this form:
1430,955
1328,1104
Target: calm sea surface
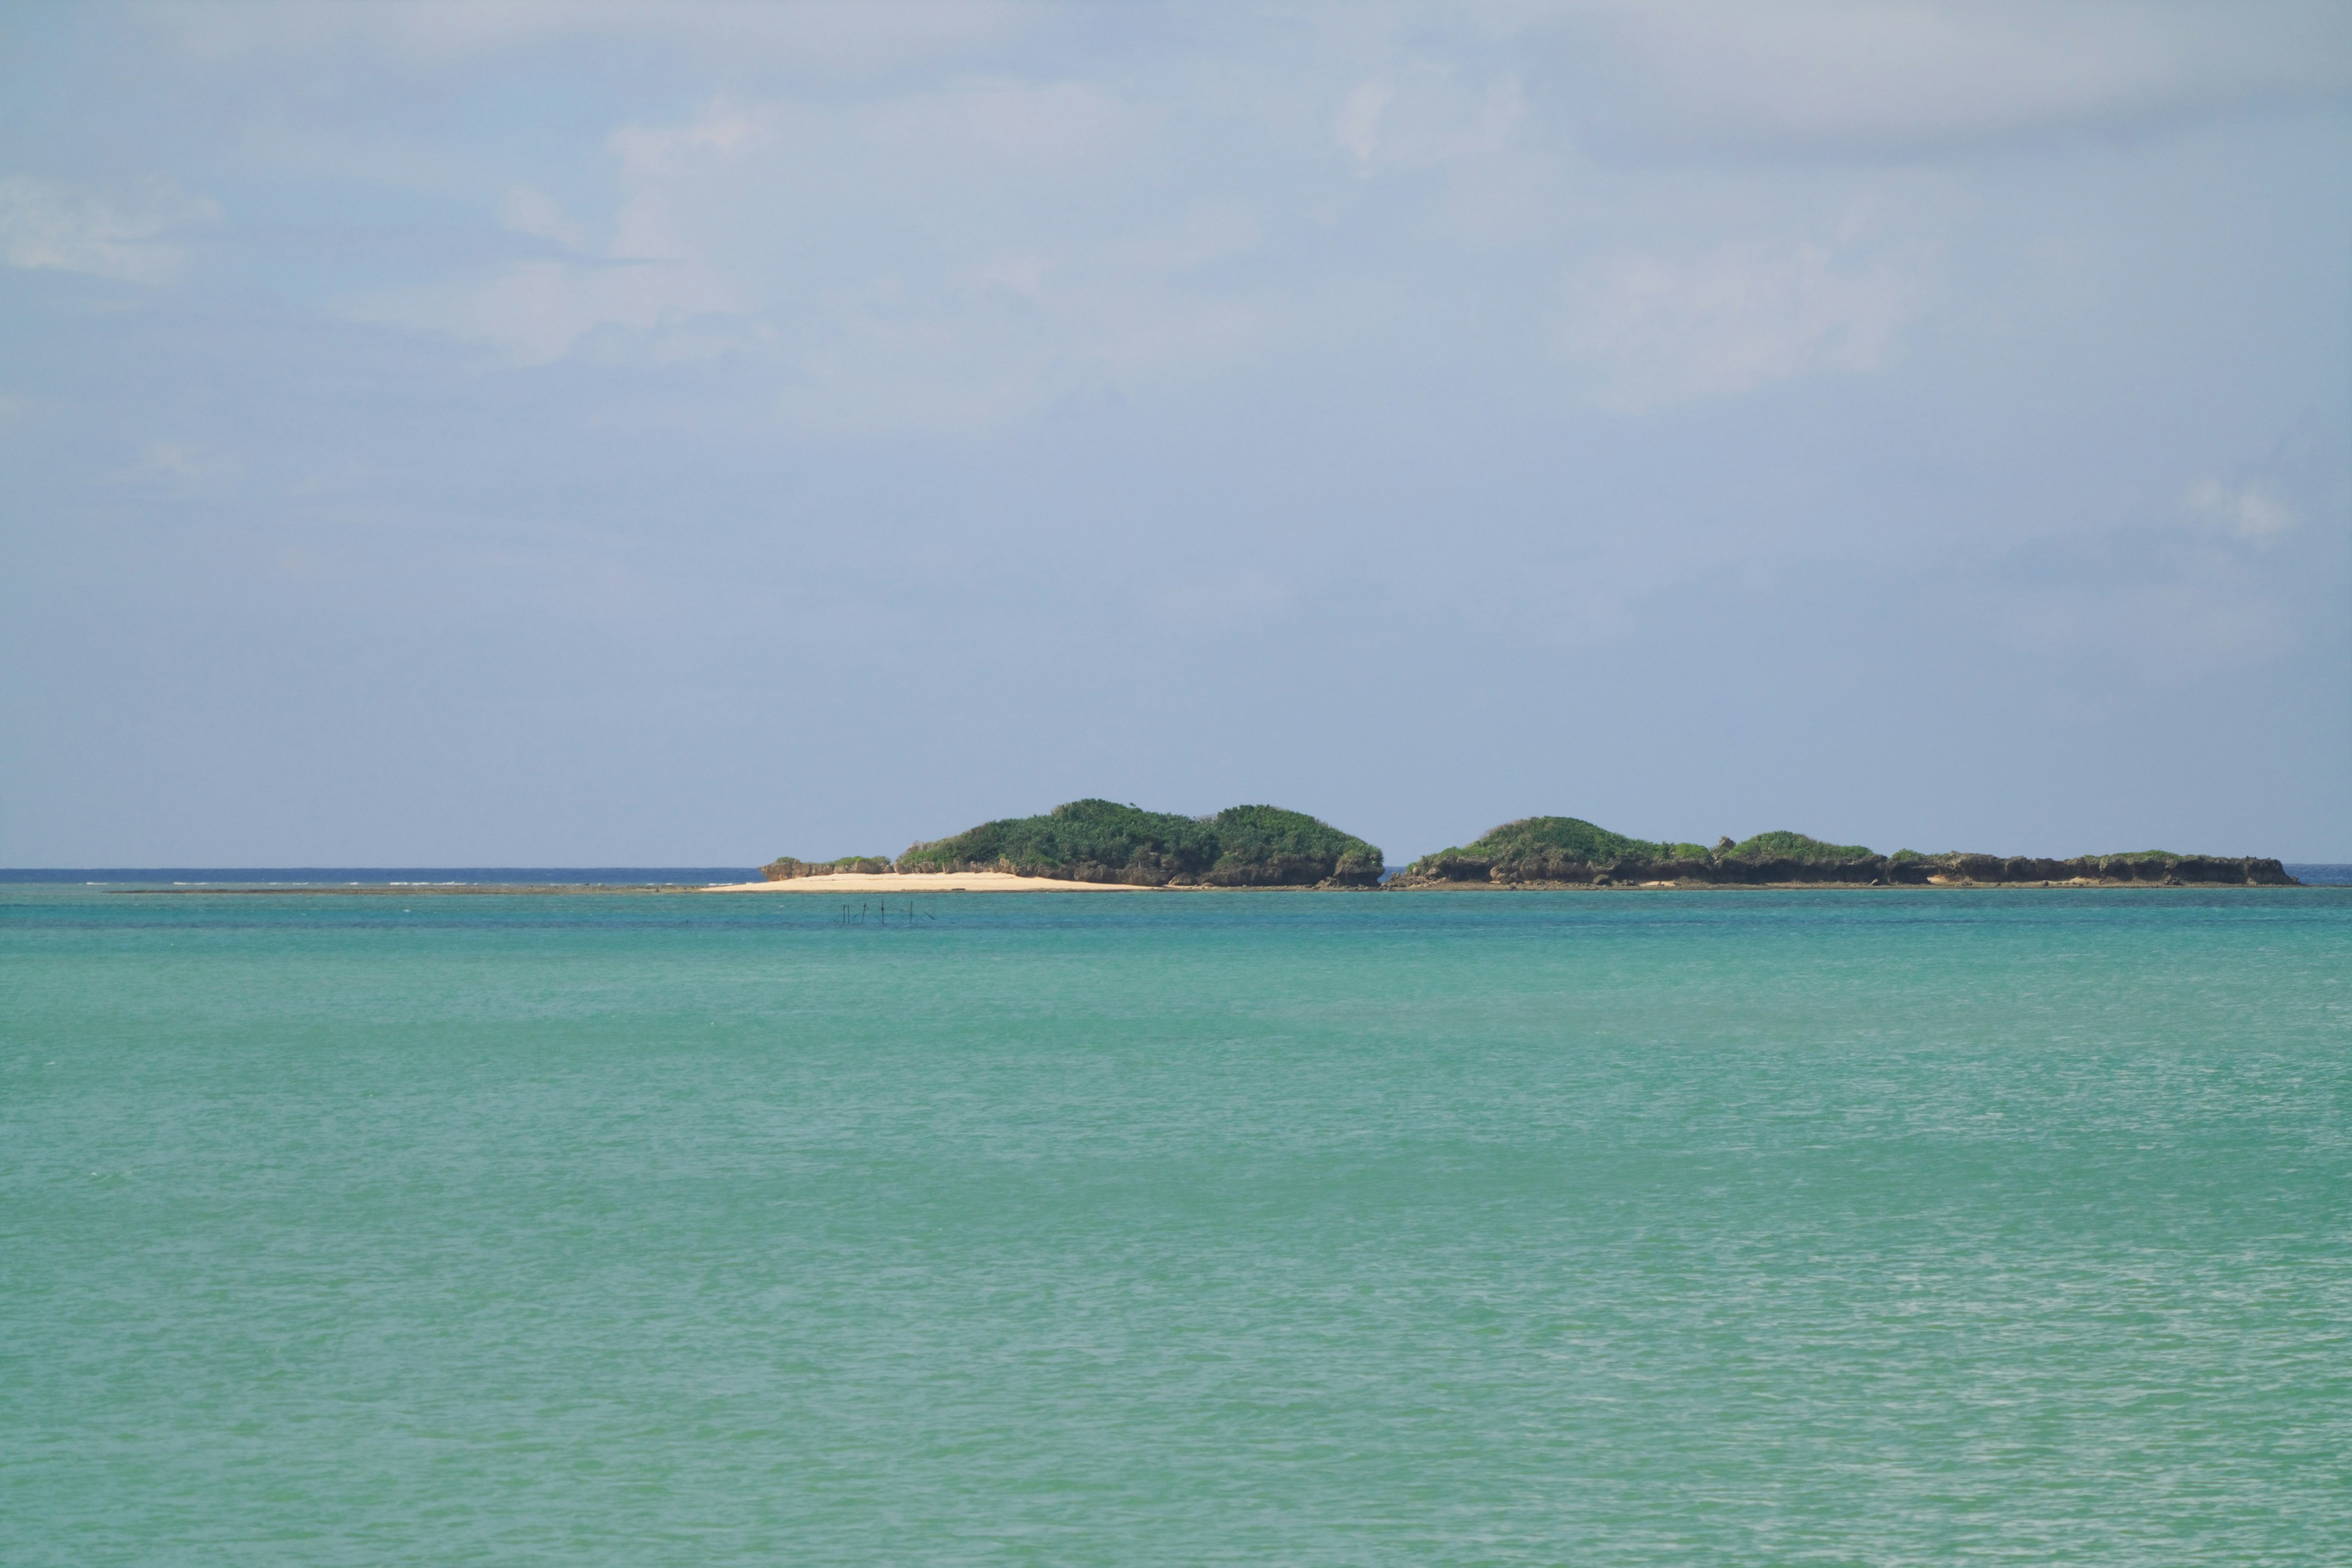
1686,1228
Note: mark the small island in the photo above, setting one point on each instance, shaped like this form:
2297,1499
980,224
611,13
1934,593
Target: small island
1100,844
1103,843
1569,852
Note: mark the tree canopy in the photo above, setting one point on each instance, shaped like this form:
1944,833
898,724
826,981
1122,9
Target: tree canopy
1102,840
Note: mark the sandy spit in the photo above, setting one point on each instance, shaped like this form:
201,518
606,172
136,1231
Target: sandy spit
943,882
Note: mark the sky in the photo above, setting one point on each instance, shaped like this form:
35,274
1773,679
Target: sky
596,434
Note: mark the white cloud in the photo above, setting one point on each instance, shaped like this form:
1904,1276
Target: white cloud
651,277
1424,115
1652,331
947,260
991,236
2175,597
45,225
2247,511
2205,613
1868,77
1003,124
186,467
1903,76
526,211
537,311
654,151
805,37
1002,337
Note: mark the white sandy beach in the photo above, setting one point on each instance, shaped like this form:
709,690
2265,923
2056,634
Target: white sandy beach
942,882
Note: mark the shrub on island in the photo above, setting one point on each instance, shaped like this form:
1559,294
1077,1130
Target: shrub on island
1103,841
1551,850
785,868
1266,847
1567,851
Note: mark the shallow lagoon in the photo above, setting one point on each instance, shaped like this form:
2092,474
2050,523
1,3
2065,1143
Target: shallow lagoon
1606,1228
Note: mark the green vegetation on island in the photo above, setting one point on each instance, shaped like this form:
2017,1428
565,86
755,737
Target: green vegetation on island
1265,846
1534,839
1103,841
1567,851
1786,846
785,868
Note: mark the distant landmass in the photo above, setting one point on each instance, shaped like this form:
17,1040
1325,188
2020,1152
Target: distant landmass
1569,852
1101,841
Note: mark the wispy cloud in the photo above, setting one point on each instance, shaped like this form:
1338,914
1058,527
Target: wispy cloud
1425,114
526,211
1906,76
536,311
130,235
650,277
2230,580
1649,331
950,260
186,467
807,37
2248,511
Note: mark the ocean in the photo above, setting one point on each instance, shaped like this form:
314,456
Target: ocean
1635,1229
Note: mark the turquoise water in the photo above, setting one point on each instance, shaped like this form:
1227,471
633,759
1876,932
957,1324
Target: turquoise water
1280,1228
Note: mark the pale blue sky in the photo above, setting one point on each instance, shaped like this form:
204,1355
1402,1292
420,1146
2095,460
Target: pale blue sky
598,434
